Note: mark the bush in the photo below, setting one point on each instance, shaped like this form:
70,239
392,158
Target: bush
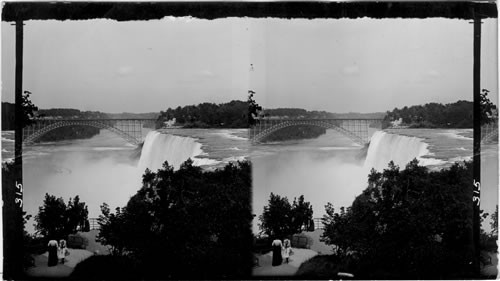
76,241
319,267
407,224
106,268
186,219
262,245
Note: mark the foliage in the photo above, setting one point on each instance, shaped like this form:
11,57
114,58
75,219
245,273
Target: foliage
8,116
28,110
434,115
281,219
295,132
494,222
69,133
488,241
208,115
323,267
76,216
72,132
105,268
186,219
71,113
410,224
302,113
488,109
111,230
56,220
253,109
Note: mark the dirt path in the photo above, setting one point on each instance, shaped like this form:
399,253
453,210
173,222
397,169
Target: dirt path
265,267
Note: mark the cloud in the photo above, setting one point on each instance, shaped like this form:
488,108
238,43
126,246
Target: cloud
433,73
351,70
207,73
125,70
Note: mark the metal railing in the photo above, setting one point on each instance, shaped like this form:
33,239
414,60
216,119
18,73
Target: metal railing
93,224
318,224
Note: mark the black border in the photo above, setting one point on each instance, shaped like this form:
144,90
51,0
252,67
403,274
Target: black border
127,11
133,11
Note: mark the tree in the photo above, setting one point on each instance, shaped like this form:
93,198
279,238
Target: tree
276,217
336,225
28,110
110,230
76,215
253,108
200,219
487,108
51,219
281,219
411,224
56,220
302,214
494,222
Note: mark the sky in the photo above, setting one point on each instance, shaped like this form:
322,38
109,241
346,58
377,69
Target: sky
337,65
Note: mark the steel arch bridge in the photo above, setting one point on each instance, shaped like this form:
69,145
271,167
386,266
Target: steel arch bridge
354,129
128,129
489,133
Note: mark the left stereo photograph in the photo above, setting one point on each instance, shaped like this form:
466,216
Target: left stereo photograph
125,149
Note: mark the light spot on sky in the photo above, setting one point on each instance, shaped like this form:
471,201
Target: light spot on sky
125,70
351,70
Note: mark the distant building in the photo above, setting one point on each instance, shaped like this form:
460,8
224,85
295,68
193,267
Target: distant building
169,123
397,123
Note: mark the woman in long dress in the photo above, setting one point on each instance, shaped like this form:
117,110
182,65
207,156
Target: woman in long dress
52,249
277,258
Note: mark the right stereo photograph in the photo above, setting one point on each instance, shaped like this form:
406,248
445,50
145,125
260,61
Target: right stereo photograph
363,156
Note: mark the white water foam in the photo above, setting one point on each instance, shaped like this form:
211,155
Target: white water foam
385,147
228,134
454,134
159,148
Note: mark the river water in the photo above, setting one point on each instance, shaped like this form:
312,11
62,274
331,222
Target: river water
330,168
333,169
105,168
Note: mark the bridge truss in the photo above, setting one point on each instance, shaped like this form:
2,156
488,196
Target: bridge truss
128,129
354,129
489,133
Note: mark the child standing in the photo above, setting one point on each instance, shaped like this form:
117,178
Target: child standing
286,250
62,252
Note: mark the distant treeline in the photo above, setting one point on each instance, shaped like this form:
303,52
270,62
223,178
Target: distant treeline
302,113
71,113
295,133
72,132
433,115
128,115
8,115
208,115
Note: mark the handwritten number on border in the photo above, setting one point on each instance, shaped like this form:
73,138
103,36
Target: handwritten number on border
19,192
476,192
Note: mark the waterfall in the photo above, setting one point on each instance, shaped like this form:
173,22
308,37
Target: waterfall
385,147
159,147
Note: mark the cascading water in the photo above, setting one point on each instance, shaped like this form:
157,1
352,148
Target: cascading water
159,147
385,147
